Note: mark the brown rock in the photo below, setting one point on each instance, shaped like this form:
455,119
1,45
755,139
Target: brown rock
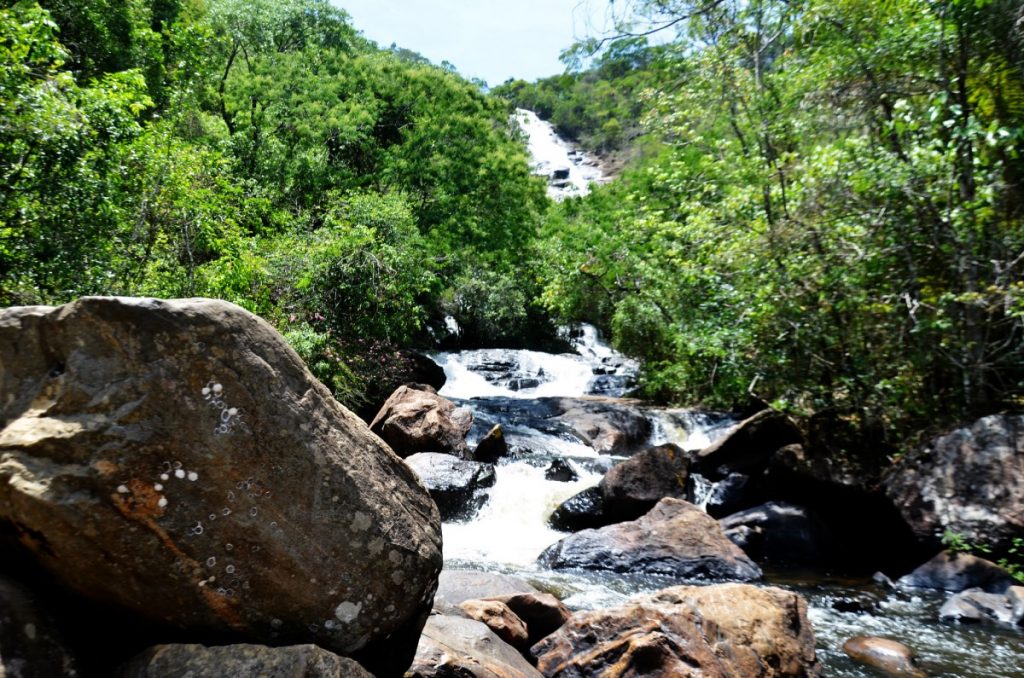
415,419
197,661
465,648
633,487
749,445
970,482
888,656
675,538
727,631
175,459
499,618
542,613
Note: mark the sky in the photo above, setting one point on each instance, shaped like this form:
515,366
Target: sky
488,39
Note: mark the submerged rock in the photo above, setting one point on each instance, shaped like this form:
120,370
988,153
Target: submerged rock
466,648
720,631
456,485
176,459
416,419
675,538
198,661
949,571
969,482
560,471
888,656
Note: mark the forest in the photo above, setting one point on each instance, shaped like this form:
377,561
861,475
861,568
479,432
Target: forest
819,204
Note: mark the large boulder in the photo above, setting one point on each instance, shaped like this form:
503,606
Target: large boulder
633,487
969,482
675,538
722,631
749,445
397,369
780,534
456,485
465,648
951,571
176,459
198,661
416,419
891,657
30,645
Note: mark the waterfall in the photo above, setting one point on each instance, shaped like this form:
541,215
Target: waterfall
570,172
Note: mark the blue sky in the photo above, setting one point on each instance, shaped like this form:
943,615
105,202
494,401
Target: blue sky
488,39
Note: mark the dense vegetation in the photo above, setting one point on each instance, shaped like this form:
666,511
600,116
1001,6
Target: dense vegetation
265,153
829,215
823,210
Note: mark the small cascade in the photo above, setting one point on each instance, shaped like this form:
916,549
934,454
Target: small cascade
569,171
595,369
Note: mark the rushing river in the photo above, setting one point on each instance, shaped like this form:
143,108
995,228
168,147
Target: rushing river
510,531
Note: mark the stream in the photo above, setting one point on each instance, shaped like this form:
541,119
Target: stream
510,531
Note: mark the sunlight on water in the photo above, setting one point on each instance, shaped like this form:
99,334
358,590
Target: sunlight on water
551,153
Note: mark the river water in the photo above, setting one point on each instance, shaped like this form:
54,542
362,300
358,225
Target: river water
511,530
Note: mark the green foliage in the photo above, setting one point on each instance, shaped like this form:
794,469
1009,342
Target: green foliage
834,223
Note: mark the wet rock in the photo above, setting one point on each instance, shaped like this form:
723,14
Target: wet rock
975,605
633,487
610,427
466,648
492,447
457,586
888,656
197,661
581,511
542,613
749,446
416,419
725,496
970,482
175,459
857,603
675,538
778,533
560,471
456,485
721,631
499,618
30,646
956,572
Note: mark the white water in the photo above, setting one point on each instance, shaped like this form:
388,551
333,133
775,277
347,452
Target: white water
511,529
551,153
507,373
